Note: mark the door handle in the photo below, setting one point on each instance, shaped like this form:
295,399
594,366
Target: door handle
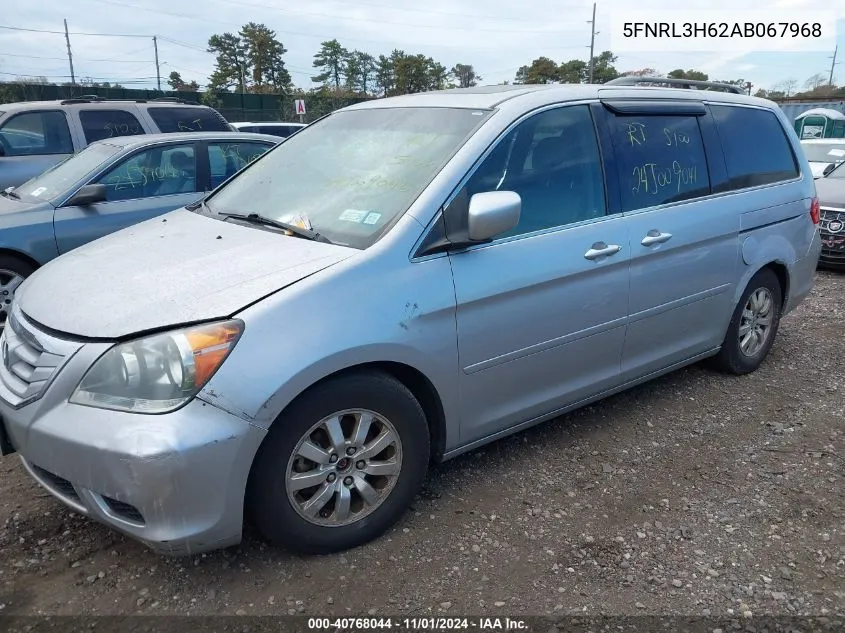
655,237
600,249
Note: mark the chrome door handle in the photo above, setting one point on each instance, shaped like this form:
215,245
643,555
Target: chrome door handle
655,237
600,249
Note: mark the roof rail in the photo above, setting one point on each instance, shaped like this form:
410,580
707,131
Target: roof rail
175,100
82,99
691,84
98,99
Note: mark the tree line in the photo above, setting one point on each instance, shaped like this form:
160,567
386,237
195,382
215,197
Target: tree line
252,61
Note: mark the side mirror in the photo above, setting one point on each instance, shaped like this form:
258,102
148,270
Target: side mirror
2,150
87,194
828,169
492,213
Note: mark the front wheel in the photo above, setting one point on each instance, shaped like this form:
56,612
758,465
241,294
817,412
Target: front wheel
754,325
13,271
341,465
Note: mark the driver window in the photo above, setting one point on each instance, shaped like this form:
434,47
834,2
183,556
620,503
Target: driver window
158,171
552,161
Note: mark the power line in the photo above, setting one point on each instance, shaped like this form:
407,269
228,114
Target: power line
79,59
17,74
20,28
195,18
182,44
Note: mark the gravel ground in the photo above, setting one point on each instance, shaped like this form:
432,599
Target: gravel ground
695,494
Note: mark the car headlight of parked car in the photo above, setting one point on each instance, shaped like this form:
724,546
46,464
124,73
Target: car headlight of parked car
158,373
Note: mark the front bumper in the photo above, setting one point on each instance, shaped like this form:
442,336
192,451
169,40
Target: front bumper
175,482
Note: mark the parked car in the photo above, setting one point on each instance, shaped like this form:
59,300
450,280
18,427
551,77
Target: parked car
824,154
35,135
269,127
831,192
110,185
402,281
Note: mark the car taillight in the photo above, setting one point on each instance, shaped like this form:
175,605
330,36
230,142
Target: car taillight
815,212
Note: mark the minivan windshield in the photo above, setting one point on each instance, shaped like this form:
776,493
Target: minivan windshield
825,152
350,175
55,181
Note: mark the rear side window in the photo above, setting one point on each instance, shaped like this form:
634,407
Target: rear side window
100,124
34,133
660,159
757,151
178,119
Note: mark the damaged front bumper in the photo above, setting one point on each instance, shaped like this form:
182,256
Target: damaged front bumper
175,482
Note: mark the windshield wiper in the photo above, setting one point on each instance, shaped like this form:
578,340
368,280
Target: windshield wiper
255,218
11,194
199,204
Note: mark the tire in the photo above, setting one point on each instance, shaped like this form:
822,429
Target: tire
12,271
731,358
278,511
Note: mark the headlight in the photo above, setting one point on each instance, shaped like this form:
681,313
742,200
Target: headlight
158,373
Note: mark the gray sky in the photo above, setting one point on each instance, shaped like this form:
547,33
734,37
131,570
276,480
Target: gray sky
496,36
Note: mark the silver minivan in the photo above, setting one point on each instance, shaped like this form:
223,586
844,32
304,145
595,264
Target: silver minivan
402,281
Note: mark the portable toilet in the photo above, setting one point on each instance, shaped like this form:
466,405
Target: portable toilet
820,123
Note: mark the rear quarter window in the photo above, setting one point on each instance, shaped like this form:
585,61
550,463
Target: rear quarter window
757,150
187,119
660,160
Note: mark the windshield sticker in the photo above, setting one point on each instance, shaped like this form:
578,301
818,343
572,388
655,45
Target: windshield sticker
836,152
38,191
372,218
353,215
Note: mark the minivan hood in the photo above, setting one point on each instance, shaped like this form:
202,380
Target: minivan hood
174,269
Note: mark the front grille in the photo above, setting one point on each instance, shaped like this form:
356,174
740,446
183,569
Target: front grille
828,215
832,228
124,510
59,484
29,359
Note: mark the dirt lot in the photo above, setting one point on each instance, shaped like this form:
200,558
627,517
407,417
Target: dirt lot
695,494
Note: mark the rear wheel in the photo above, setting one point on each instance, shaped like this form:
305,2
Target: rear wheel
341,465
754,325
12,273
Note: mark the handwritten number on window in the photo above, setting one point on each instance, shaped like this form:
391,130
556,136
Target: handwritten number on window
190,126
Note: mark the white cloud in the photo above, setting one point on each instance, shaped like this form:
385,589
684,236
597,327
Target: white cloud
496,36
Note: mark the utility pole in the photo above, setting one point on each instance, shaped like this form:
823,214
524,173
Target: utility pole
158,68
832,64
69,56
592,41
